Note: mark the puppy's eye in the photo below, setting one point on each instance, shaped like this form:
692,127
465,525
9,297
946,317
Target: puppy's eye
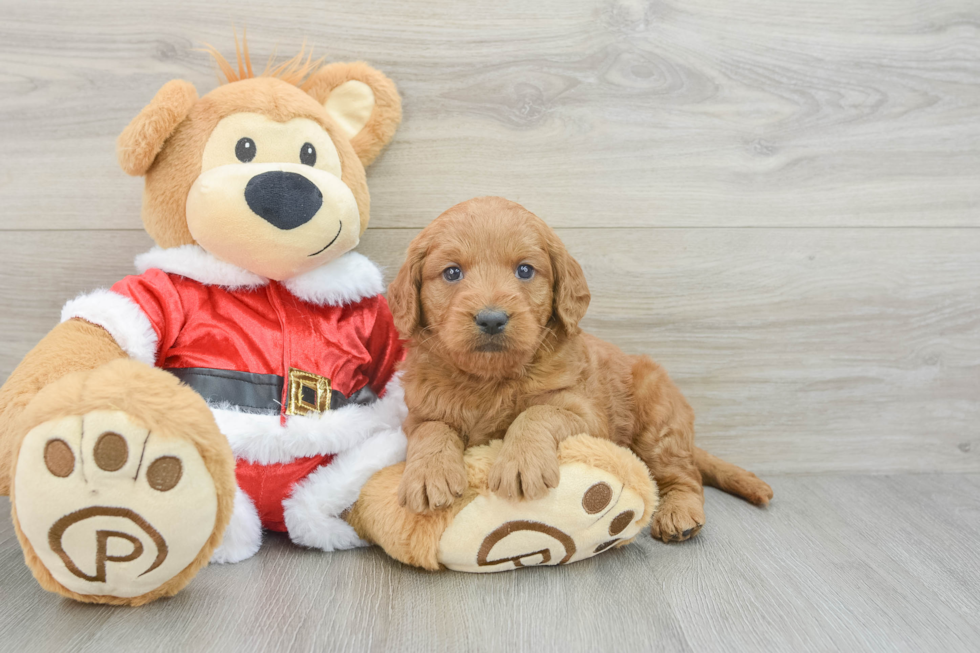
307,155
245,149
524,271
452,273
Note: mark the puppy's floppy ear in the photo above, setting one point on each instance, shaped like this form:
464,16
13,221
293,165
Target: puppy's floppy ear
571,292
362,101
143,138
404,293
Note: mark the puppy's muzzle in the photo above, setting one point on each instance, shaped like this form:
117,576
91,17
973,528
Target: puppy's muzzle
285,200
491,322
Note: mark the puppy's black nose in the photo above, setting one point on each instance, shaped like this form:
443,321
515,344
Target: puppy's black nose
286,200
491,322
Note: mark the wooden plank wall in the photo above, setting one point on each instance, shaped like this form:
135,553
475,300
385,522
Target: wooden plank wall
777,199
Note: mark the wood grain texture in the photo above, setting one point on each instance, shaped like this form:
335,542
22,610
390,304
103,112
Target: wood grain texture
597,112
766,132
777,199
835,563
800,350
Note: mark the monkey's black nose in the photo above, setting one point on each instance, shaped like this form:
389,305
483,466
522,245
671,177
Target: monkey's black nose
285,200
491,322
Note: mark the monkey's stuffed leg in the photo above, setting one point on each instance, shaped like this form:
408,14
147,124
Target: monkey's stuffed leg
122,484
604,499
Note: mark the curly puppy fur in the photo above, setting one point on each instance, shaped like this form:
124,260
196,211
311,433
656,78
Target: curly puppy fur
536,382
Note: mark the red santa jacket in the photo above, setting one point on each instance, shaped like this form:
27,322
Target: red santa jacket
299,374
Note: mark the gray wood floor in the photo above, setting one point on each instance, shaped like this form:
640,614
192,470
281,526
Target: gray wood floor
849,563
777,199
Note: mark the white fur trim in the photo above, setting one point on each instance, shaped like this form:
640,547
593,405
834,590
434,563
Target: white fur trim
121,317
345,280
262,439
312,512
193,262
243,537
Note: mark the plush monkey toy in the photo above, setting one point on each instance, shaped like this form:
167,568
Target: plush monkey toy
244,379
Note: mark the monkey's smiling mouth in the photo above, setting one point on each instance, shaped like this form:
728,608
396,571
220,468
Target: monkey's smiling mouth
339,229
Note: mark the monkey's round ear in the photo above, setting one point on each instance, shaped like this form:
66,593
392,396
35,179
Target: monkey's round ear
144,137
362,101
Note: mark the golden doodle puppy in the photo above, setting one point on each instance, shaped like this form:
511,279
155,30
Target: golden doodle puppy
490,300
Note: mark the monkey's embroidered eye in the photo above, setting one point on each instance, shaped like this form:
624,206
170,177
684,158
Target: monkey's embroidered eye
452,273
524,271
307,155
245,149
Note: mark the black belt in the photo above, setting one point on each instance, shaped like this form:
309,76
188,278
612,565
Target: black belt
254,393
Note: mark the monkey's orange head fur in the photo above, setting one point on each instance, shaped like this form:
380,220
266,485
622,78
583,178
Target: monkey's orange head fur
484,285
266,171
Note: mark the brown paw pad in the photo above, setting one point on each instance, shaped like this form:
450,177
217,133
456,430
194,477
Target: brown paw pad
111,452
596,498
620,522
59,458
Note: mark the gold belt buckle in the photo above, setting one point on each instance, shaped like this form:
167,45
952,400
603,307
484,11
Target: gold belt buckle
308,393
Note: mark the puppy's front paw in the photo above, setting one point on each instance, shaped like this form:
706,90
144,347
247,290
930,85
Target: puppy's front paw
517,475
680,517
431,485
